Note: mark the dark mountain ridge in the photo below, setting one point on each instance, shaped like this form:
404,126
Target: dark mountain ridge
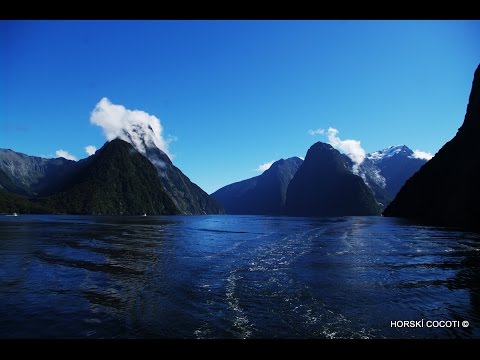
446,191
325,186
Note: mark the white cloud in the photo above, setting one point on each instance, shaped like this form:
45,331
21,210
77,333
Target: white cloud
90,149
265,166
419,154
316,132
135,126
350,147
65,154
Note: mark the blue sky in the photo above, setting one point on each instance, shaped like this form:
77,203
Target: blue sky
235,94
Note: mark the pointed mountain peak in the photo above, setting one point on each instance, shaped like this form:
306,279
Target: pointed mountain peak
472,116
320,146
325,186
389,152
324,154
117,180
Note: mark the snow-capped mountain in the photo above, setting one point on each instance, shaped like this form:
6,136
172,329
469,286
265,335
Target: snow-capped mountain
397,150
386,171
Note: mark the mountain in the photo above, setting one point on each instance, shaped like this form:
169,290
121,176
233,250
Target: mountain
325,186
396,165
261,195
33,176
117,180
446,191
188,197
8,185
385,171
30,175
10,203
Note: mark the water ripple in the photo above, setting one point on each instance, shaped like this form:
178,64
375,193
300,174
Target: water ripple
234,277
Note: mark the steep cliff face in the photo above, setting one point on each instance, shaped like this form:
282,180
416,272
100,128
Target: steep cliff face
188,197
261,195
446,190
325,186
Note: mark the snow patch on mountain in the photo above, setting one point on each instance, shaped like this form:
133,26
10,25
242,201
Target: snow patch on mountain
379,155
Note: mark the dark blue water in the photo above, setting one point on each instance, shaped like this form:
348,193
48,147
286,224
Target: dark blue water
234,277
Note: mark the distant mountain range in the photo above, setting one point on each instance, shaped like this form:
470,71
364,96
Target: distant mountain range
446,190
329,183
30,175
263,194
383,172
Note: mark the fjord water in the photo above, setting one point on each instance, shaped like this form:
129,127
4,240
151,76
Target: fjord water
234,277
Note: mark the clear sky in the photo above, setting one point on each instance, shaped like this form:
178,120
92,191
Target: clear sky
236,94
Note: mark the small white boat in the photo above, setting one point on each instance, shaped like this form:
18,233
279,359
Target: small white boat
14,214
144,215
